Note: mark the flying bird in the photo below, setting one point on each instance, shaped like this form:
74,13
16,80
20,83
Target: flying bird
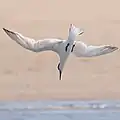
62,47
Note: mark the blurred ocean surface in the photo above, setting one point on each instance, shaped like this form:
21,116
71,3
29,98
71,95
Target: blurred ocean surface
60,110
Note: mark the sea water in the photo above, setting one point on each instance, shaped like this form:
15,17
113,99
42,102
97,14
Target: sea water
60,110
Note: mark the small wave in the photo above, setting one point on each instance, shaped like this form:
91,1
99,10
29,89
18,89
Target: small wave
59,105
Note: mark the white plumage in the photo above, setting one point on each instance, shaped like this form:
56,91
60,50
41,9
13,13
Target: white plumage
83,50
62,47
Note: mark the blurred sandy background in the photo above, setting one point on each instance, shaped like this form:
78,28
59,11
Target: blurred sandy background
27,75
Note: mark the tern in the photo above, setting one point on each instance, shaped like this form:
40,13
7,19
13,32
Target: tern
61,46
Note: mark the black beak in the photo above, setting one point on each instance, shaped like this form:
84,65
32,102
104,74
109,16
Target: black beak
60,74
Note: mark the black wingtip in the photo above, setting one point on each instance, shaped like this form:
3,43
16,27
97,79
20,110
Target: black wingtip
6,30
115,48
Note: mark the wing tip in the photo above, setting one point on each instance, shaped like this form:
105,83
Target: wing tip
8,31
5,29
115,48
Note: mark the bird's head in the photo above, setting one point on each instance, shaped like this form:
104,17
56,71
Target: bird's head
74,31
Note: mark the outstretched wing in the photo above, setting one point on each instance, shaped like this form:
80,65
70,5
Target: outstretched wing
82,50
33,45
